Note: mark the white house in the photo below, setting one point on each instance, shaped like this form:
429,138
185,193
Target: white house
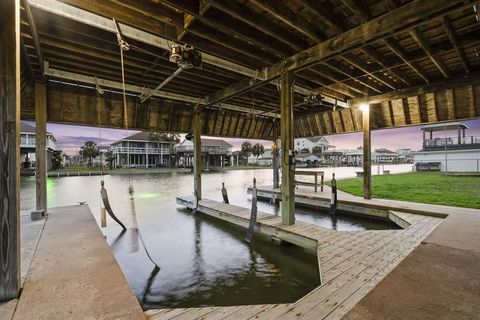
448,145
27,146
266,159
310,143
384,155
215,153
139,150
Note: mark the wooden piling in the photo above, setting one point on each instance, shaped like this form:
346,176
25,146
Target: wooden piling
367,155
41,145
276,173
9,150
197,153
288,169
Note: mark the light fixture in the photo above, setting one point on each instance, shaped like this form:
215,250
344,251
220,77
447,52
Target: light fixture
364,107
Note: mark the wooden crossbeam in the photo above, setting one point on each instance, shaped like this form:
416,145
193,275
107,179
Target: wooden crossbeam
360,64
288,17
382,61
400,52
33,28
419,37
240,13
471,79
407,16
357,9
453,39
323,13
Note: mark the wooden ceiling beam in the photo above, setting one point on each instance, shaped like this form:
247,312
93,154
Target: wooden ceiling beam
360,64
419,37
453,39
148,11
95,20
92,52
288,17
320,11
452,83
76,78
239,13
33,29
352,75
357,9
402,54
382,61
412,14
203,6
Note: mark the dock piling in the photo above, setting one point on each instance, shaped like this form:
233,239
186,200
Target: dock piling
253,213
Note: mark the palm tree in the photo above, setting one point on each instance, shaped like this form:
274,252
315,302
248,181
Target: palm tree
258,150
246,150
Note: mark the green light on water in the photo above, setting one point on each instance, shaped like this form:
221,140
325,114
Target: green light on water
147,195
50,188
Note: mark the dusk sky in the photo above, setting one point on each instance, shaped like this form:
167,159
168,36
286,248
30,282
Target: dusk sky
72,137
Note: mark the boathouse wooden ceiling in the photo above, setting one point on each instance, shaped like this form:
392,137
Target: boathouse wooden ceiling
415,61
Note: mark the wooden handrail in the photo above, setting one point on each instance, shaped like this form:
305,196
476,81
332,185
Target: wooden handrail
311,184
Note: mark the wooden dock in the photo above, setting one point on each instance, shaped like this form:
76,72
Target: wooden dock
351,263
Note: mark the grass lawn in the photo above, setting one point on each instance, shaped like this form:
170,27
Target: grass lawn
423,187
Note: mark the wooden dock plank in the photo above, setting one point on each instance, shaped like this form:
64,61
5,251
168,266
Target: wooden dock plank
350,263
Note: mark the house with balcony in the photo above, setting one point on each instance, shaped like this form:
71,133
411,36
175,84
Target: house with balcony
215,153
27,146
313,145
384,155
449,147
139,151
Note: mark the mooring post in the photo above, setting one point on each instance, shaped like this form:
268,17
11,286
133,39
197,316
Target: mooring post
333,199
41,145
288,169
367,153
10,150
276,173
197,153
253,213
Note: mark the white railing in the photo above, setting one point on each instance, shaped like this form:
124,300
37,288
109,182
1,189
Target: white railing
206,149
451,141
30,143
134,150
27,142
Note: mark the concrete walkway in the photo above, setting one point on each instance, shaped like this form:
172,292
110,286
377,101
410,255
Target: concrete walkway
73,274
440,279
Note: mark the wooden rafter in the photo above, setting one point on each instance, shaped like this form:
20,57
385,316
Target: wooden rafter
419,37
473,78
400,52
453,39
33,28
288,17
409,15
357,9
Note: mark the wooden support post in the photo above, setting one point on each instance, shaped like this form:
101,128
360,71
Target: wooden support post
367,154
197,153
9,150
41,145
275,154
288,165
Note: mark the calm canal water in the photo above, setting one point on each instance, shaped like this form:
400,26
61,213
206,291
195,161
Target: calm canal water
203,261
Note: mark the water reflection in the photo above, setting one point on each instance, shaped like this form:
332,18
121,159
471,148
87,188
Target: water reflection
202,261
